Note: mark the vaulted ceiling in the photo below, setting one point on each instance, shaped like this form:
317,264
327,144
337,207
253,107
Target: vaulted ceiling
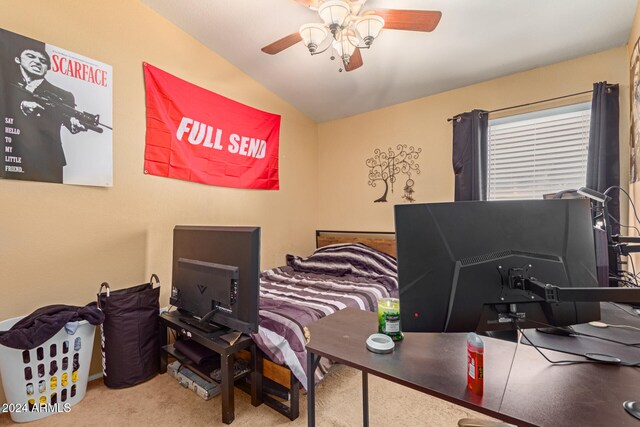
475,41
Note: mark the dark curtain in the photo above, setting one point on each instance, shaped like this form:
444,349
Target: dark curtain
603,161
470,155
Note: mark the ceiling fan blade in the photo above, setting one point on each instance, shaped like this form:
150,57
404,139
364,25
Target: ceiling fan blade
355,61
356,6
311,4
282,44
409,20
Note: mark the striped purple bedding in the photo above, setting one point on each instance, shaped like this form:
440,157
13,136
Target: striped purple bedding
307,289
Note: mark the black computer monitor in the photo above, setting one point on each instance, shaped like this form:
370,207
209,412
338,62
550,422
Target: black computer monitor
475,266
215,276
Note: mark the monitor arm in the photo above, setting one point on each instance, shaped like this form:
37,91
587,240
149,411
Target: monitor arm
519,279
620,244
552,293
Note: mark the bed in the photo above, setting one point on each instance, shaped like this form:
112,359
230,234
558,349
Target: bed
348,269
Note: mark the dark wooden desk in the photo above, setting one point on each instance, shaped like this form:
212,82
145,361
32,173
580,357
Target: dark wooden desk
535,393
171,320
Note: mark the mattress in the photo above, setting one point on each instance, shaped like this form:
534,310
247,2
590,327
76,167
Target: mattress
306,289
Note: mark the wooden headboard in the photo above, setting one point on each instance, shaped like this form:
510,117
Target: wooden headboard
383,241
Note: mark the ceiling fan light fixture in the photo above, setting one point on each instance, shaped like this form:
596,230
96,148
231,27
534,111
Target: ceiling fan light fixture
345,47
312,35
334,13
369,27
351,29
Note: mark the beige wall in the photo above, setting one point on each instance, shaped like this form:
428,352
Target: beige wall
345,199
59,242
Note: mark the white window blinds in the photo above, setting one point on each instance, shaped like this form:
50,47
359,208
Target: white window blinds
538,153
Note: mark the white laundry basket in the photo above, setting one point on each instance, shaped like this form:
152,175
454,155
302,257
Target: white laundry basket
54,374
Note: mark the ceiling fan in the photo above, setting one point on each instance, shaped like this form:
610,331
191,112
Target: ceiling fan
347,28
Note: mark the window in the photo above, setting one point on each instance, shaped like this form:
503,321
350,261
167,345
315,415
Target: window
538,153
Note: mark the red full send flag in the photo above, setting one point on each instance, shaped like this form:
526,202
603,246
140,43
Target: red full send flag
197,135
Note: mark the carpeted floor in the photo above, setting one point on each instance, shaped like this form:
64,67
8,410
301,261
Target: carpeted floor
163,402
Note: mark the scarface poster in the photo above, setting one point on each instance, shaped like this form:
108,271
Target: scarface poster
56,111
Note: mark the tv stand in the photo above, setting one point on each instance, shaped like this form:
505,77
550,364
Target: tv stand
176,321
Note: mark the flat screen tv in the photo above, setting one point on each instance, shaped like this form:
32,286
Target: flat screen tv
215,276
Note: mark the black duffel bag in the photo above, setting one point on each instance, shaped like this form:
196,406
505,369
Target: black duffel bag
130,346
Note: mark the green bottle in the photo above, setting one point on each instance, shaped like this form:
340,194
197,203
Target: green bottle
389,318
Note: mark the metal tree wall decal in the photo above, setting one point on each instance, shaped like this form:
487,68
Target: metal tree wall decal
388,166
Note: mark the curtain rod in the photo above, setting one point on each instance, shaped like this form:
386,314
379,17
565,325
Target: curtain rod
532,103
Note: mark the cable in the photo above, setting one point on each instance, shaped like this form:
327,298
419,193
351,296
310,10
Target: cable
635,212
570,362
625,276
621,308
557,362
624,225
173,333
607,325
633,268
513,359
631,279
620,279
635,344
587,335
625,282
630,282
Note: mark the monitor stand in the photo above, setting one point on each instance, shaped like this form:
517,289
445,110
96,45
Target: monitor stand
205,327
633,408
564,331
506,335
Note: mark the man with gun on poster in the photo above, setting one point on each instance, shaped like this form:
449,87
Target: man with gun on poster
35,112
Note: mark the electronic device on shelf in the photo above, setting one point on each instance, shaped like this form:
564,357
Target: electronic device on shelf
483,266
215,277
192,381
